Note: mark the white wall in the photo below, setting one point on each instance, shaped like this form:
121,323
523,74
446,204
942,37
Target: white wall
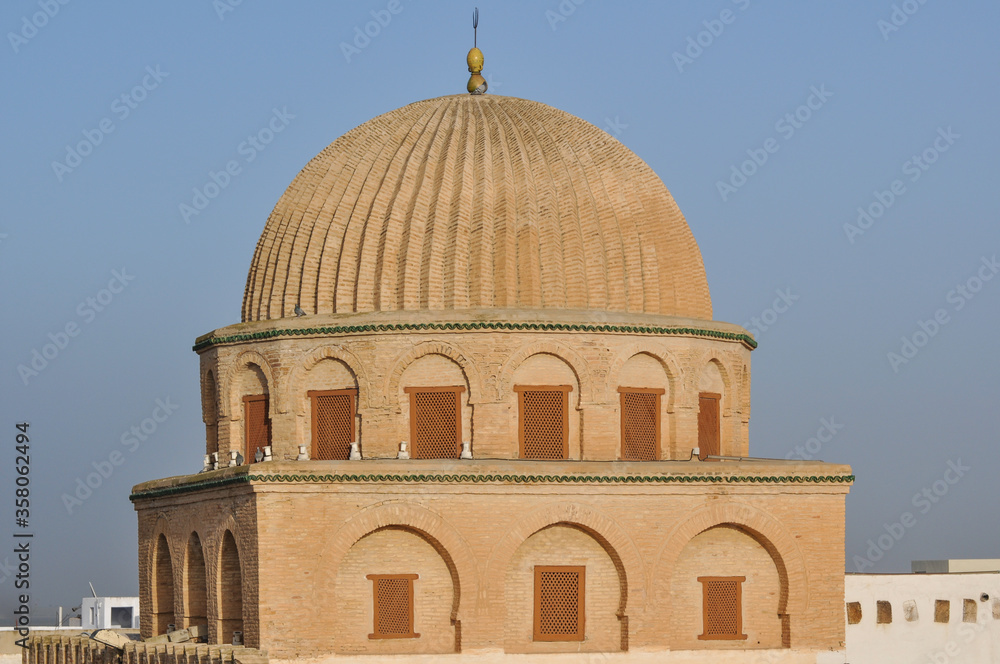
922,640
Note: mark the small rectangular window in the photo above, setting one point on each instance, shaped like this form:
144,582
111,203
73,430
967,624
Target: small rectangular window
883,612
256,425
543,421
392,600
708,425
853,613
435,422
722,607
332,423
640,421
559,603
942,611
969,610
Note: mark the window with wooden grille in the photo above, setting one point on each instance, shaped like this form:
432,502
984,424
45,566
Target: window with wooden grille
543,421
332,423
435,422
708,424
640,423
559,603
256,425
722,607
392,601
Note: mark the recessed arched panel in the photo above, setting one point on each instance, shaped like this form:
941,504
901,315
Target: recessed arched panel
163,587
195,584
704,607
229,590
419,566
210,412
571,552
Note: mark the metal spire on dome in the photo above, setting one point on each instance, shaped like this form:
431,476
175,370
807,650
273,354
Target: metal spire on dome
477,84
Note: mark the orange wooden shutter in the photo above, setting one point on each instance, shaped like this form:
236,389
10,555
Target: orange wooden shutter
640,423
722,607
392,597
708,424
544,421
256,424
332,423
435,422
559,603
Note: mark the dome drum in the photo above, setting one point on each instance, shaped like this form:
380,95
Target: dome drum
489,354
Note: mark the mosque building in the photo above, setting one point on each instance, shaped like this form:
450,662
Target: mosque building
477,405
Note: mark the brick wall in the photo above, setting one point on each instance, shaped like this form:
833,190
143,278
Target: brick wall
305,548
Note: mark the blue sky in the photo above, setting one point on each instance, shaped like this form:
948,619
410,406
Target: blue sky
887,107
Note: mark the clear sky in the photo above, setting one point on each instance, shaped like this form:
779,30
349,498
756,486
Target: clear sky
114,113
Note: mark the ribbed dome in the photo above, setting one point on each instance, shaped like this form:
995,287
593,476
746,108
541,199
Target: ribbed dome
476,201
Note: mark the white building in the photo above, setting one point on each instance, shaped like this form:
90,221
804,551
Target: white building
109,613
923,618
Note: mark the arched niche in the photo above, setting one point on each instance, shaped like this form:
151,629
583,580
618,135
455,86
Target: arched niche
728,551
210,412
402,552
195,583
548,369
430,371
605,591
163,587
229,590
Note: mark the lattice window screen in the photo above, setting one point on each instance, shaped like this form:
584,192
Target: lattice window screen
393,606
543,424
640,419
559,597
723,610
435,424
257,425
333,424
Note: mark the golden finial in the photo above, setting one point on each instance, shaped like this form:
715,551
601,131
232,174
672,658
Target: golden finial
477,84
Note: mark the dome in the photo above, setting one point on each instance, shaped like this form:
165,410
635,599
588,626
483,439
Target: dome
476,202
